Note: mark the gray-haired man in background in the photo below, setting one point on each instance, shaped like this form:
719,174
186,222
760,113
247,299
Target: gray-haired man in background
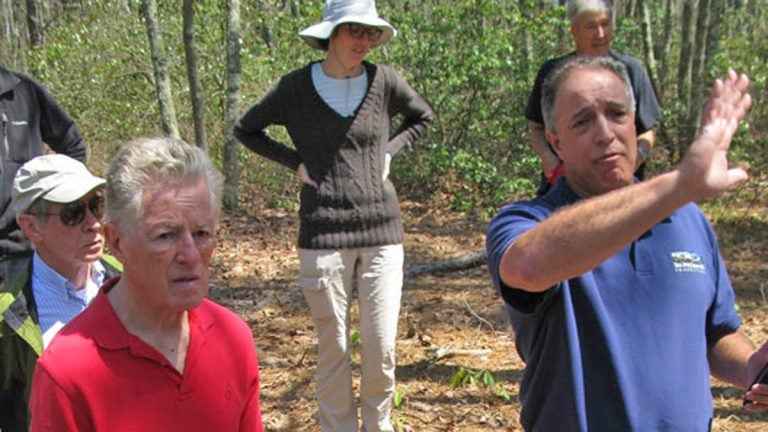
592,23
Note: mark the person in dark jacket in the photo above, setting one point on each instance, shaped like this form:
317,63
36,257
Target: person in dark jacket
29,118
592,23
59,207
338,113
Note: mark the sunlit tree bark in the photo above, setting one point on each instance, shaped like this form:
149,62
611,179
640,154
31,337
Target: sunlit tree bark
160,65
684,72
195,88
232,108
34,23
663,48
698,86
650,59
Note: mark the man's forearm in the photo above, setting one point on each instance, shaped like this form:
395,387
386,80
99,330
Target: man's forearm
729,357
580,237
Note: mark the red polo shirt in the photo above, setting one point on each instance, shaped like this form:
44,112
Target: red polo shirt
97,376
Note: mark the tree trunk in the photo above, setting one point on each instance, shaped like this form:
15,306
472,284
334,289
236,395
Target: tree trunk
160,65
662,54
266,36
13,37
232,109
527,41
698,86
625,8
713,37
265,29
650,59
35,23
8,30
195,88
295,6
684,74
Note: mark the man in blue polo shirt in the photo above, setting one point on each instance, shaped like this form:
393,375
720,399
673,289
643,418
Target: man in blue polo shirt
619,299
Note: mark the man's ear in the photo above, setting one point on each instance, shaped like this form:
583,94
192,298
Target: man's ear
114,239
29,225
554,141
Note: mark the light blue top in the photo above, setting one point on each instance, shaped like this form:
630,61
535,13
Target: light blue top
57,299
343,95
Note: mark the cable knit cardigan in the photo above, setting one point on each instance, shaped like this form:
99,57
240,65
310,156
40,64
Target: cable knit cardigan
352,206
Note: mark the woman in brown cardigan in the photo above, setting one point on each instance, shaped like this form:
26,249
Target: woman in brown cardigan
338,114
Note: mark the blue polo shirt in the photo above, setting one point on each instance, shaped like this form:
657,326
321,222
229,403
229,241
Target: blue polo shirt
624,346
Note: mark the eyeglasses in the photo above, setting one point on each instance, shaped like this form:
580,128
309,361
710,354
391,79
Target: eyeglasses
358,32
73,214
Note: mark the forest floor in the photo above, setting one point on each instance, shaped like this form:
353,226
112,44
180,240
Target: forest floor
450,323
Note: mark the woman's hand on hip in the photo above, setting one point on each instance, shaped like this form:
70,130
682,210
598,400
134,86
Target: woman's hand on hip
304,176
385,171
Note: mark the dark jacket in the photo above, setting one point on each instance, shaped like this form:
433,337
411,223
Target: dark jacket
21,343
29,118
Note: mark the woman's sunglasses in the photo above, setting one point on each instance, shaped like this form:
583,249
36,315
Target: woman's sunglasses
73,214
358,32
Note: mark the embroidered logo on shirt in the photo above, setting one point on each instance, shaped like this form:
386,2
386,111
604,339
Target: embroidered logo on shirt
688,262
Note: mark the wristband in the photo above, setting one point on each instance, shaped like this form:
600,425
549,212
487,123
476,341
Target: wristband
555,174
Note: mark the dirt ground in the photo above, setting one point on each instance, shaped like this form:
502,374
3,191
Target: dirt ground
449,323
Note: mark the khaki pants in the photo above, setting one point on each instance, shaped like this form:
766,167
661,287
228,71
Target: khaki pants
326,280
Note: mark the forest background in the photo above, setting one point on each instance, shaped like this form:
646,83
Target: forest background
129,68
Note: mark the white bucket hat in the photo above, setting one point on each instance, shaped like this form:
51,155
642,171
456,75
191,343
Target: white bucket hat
55,177
337,12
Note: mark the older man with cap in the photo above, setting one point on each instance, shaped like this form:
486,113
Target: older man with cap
30,120
59,206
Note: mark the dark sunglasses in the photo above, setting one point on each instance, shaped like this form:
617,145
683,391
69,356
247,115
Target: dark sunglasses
73,214
358,32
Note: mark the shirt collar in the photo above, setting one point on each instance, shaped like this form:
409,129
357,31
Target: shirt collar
8,80
61,285
110,333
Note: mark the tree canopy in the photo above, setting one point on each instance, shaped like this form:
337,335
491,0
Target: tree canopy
473,60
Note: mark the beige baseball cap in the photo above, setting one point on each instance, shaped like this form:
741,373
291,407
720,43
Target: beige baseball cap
55,177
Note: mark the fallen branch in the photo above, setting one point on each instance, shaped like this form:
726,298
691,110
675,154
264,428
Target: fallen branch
479,318
441,353
462,262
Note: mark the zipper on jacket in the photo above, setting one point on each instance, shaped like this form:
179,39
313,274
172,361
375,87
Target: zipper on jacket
6,146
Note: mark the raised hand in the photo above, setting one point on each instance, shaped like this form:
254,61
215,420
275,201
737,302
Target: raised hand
705,167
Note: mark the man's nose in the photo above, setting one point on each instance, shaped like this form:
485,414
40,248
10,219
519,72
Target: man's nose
91,221
600,31
186,249
603,131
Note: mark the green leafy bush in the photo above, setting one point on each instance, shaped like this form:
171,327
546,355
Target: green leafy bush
473,60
